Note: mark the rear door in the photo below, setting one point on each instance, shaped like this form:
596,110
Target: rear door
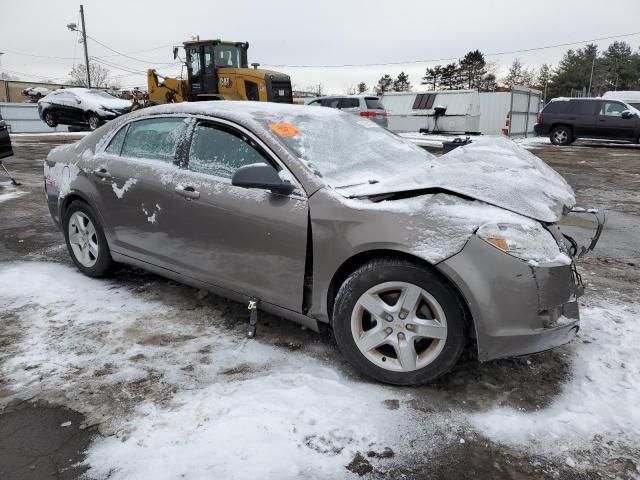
350,104
5,140
250,241
581,115
132,178
610,123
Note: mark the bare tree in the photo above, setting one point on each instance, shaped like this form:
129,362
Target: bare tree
520,75
99,75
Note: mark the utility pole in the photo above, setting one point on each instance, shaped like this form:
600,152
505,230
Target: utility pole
84,41
593,64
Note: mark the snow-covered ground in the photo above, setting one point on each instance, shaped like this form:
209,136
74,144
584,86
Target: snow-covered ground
185,396
9,192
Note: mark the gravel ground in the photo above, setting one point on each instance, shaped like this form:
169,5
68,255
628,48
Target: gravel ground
439,431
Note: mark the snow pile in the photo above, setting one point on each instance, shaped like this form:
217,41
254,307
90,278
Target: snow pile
602,399
243,409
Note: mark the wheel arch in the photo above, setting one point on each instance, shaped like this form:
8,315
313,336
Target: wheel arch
562,124
83,197
357,260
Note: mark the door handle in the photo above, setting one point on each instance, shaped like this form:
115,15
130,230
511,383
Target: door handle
189,193
101,173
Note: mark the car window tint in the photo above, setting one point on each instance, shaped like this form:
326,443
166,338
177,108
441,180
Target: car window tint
556,107
115,145
374,103
155,139
582,107
217,152
350,103
332,102
612,109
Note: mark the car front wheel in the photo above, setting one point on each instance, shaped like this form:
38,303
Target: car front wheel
50,120
561,136
86,241
94,122
399,323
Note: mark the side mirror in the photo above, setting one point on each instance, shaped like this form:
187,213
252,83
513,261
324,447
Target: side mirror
175,52
261,175
78,101
626,114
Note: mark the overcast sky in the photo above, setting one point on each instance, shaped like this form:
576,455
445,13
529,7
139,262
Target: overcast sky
287,32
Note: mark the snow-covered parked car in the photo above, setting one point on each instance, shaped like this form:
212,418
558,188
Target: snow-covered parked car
81,106
35,93
323,217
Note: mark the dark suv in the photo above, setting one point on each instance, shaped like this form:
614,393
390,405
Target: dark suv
566,119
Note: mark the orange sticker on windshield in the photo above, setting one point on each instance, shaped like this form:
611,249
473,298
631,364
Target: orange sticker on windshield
284,129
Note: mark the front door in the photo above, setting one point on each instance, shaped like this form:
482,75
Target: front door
210,78
610,123
251,241
194,67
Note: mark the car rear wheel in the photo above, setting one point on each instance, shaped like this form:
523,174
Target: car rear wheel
50,119
399,323
94,122
86,241
561,136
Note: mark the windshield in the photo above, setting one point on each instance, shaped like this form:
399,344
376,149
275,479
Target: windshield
345,149
227,56
100,93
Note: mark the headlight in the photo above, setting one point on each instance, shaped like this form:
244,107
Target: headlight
529,242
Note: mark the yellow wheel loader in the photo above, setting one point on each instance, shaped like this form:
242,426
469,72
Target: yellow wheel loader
218,70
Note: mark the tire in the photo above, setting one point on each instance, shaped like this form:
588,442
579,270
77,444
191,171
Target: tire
86,242
94,121
394,284
561,135
50,119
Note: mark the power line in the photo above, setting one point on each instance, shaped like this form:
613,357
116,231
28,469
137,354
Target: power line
124,54
433,60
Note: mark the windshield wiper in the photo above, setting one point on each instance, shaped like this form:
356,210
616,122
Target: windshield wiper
368,182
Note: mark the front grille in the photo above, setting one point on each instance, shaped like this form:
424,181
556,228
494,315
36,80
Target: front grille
279,90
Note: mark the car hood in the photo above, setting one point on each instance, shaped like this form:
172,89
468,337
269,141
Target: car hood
493,170
116,103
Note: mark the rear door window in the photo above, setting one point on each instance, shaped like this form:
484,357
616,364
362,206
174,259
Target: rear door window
582,107
115,145
374,103
155,139
556,107
220,152
331,102
350,103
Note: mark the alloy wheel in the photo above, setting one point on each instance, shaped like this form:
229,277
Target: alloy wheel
83,239
94,122
561,136
399,326
49,120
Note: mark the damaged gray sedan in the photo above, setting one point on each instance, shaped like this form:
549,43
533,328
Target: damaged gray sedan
325,218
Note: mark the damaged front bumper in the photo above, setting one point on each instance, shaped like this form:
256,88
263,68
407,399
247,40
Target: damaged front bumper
517,308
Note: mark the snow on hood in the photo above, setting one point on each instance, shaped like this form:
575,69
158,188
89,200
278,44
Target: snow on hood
493,170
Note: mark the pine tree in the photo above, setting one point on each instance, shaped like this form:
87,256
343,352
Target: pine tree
519,75
402,84
433,77
472,68
450,77
362,87
384,84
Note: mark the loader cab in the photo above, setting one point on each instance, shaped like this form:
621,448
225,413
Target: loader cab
204,58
